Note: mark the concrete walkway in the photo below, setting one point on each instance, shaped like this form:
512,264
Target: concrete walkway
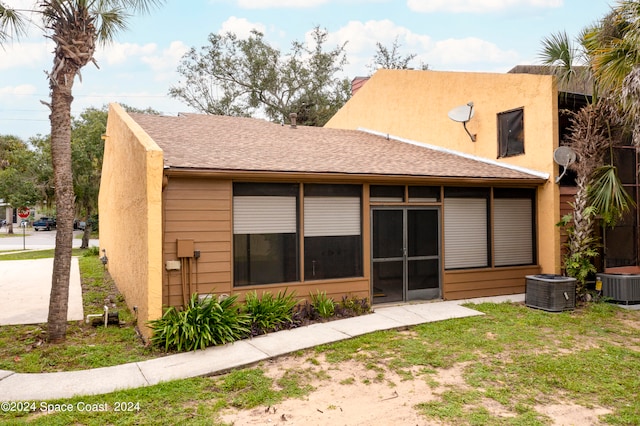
25,286
46,386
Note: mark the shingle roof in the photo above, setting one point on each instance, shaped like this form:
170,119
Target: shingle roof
195,141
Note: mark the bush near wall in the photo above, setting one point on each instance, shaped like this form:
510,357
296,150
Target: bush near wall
209,321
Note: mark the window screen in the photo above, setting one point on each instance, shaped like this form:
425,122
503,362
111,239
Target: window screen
511,133
265,243
332,231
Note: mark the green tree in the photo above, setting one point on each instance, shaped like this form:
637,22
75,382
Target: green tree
74,26
390,58
249,77
17,175
87,152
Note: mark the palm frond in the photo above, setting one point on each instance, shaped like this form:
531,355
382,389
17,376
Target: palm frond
12,24
608,196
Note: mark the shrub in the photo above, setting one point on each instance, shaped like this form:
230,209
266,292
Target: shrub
322,304
204,322
269,313
352,307
91,251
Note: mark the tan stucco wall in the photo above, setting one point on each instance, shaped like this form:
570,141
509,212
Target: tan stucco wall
131,214
414,105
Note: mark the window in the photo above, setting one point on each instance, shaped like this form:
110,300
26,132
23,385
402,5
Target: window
386,194
511,133
265,242
466,242
513,227
332,231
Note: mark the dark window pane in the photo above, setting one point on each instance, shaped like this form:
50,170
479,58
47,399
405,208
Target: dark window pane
264,258
625,161
422,232
328,190
423,274
461,192
387,193
387,234
283,189
424,193
332,257
511,133
388,280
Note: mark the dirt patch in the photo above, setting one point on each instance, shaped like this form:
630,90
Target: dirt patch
572,414
349,393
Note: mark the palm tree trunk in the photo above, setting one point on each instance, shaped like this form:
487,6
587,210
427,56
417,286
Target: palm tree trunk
61,99
582,237
87,228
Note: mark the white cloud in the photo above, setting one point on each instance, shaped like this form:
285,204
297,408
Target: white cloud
240,27
26,55
466,51
450,54
272,4
168,59
477,6
21,90
119,53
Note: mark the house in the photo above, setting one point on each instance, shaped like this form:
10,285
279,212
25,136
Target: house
229,205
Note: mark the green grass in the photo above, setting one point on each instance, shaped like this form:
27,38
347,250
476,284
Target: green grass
514,357
23,348
35,254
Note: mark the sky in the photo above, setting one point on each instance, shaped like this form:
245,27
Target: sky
139,66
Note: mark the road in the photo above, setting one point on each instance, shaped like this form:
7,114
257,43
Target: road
35,239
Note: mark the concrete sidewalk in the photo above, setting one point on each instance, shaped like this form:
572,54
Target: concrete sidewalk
46,386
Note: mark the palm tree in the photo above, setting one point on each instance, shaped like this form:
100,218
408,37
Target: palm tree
614,46
75,26
593,132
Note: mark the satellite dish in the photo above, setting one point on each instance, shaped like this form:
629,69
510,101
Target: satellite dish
462,114
564,156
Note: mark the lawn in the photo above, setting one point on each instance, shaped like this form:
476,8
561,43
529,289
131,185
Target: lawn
510,364
23,347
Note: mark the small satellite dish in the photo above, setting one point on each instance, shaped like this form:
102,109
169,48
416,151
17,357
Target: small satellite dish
462,114
564,156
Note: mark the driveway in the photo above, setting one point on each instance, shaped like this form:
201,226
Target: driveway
25,285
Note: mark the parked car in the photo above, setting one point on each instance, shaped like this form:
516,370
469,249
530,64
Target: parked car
44,223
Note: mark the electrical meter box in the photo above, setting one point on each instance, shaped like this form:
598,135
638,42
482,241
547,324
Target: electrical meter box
185,248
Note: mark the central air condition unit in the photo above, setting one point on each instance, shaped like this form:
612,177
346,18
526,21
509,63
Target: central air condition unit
553,293
621,288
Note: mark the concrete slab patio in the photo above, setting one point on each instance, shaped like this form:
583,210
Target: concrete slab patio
25,286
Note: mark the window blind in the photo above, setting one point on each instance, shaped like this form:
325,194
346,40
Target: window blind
512,231
331,216
264,215
465,233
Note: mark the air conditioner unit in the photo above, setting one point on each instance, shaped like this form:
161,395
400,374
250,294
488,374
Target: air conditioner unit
553,293
621,288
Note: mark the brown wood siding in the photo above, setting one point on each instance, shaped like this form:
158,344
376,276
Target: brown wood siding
567,196
199,210
486,282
